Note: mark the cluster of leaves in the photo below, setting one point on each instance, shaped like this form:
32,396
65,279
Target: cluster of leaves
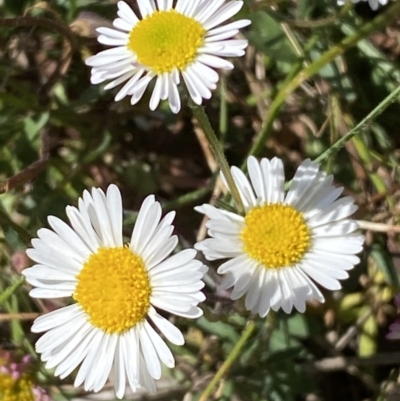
60,135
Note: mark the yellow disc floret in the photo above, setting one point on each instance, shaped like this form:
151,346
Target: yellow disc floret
114,289
166,40
275,235
15,389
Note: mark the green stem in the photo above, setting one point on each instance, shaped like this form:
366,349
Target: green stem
6,294
5,221
359,127
201,116
383,19
229,361
223,119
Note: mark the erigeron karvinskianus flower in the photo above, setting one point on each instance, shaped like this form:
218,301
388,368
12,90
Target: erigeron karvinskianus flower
284,243
374,4
168,43
116,289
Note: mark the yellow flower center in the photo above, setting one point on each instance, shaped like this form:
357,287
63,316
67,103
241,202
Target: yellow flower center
114,289
15,389
275,235
166,40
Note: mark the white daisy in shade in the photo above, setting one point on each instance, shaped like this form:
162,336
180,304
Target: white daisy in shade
116,288
284,243
374,4
168,42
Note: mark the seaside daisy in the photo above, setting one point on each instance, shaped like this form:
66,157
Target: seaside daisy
374,4
110,328
168,42
284,242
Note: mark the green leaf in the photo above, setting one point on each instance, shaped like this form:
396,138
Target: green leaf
384,261
222,330
32,127
283,355
367,344
6,294
268,37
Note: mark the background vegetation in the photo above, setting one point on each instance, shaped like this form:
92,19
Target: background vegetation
312,72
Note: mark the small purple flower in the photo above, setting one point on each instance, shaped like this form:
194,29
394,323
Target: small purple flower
394,328
16,381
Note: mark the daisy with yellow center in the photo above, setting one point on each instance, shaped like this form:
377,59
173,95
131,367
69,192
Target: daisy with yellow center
116,289
168,42
284,243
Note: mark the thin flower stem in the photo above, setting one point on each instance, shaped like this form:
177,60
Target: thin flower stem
201,116
229,361
6,221
6,294
358,129
383,19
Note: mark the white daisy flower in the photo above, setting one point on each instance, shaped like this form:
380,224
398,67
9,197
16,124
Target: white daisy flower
284,242
374,4
168,42
116,289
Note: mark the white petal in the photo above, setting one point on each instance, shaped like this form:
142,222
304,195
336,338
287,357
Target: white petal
256,178
55,318
179,259
302,180
87,366
163,352
146,7
141,222
131,353
224,13
171,332
114,206
149,354
122,24
125,12
119,369
253,295
79,248
113,33
322,279
76,356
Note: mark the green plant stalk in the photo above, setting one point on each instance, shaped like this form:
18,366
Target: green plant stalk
359,127
201,116
229,361
7,222
293,73
378,22
223,119
6,294
379,182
